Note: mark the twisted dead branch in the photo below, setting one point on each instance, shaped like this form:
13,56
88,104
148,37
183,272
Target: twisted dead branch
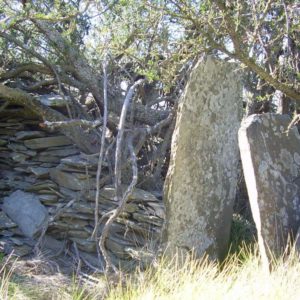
100,159
120,198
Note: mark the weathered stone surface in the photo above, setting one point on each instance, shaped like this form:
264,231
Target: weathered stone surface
5,221
10,247
85,245
60,151
46,142
71,180
25,135
137,195
202,177
26,211
48,199
81,161
19,157
16,147
271,163
39,172
44,185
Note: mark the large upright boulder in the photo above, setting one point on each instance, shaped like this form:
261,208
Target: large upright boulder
271,162
202,177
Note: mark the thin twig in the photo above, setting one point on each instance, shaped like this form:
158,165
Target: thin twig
295,120
78,260
119,209
100,160
121,199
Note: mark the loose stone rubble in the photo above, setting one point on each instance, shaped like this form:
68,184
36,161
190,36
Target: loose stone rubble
49,168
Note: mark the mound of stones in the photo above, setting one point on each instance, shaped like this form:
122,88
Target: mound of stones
48,185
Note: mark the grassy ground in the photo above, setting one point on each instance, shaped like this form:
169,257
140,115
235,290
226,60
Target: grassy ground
240,277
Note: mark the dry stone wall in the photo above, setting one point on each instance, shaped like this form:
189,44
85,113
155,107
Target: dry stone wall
46,169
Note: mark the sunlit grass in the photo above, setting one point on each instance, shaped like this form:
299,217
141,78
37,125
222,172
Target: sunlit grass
175,279
240,276
202,279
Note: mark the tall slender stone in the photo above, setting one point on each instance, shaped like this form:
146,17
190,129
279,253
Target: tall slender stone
202,177
271,162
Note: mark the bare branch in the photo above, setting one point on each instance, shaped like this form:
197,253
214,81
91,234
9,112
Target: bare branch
121,199
36,68
40,84
71,123
94,234
122,202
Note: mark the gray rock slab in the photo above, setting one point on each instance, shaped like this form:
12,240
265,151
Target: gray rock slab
81,161
43,185
138,195
202,177
271,164
16,147
48,199
6,222
71,180
46,142
39,172
25,135
85,245
50,243
60,152
26,211
46,159
19,157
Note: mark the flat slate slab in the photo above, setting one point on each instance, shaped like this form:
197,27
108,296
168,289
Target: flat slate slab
73,181
46,142
271,162
25,135
26,211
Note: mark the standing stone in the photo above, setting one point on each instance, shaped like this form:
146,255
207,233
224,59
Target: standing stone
271,163
202,177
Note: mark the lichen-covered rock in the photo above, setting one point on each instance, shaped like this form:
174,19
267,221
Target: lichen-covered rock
271,163
202,177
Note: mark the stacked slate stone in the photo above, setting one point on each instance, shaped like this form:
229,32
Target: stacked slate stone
48,167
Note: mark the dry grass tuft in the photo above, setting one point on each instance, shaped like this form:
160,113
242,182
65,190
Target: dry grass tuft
202,279
241,276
